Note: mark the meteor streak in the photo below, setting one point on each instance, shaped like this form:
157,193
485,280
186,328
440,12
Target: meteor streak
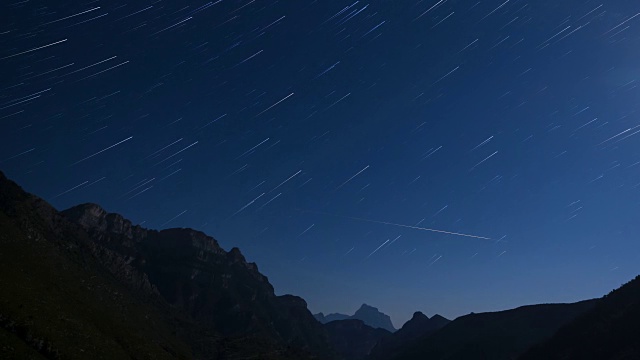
399,225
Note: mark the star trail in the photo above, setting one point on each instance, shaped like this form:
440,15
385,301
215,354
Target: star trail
388,144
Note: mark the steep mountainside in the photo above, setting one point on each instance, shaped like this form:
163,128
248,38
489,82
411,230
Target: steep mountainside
418,326
88,284
352,339
191,271
496,335
611,330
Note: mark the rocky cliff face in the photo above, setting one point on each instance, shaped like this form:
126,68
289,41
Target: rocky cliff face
192,272
374,318
177,284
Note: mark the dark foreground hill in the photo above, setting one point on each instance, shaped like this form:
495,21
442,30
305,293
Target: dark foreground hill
610,331
417,327
88,284
495,335
353,339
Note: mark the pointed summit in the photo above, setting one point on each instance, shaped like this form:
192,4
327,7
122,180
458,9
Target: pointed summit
417,321
374,318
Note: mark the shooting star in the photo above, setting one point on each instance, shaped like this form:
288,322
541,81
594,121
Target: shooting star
399,225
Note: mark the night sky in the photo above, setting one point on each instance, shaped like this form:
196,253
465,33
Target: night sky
324,138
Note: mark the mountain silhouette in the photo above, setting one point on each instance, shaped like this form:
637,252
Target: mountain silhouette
610,330
353,339
330,317
418,326
370,315
85,283
498,335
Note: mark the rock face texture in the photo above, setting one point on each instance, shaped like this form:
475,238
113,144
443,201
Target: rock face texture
191,271
209,302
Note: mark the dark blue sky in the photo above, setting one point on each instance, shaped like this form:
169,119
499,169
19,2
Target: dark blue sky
310,133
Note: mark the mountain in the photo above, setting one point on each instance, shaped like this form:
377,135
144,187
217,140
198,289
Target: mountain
88,284
374,318
330,317
191,271
353,339
368,314
494,335
610,330
418,326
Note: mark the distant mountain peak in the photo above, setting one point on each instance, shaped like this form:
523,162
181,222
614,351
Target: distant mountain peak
374,317
418,315
370,315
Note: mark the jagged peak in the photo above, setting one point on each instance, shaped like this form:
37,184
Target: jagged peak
368,307
418,315
95,217
88,209
236,255
374,317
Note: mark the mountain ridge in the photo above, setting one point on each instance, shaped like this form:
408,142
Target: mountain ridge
420,325
370,315
608,331
499,335
205,302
